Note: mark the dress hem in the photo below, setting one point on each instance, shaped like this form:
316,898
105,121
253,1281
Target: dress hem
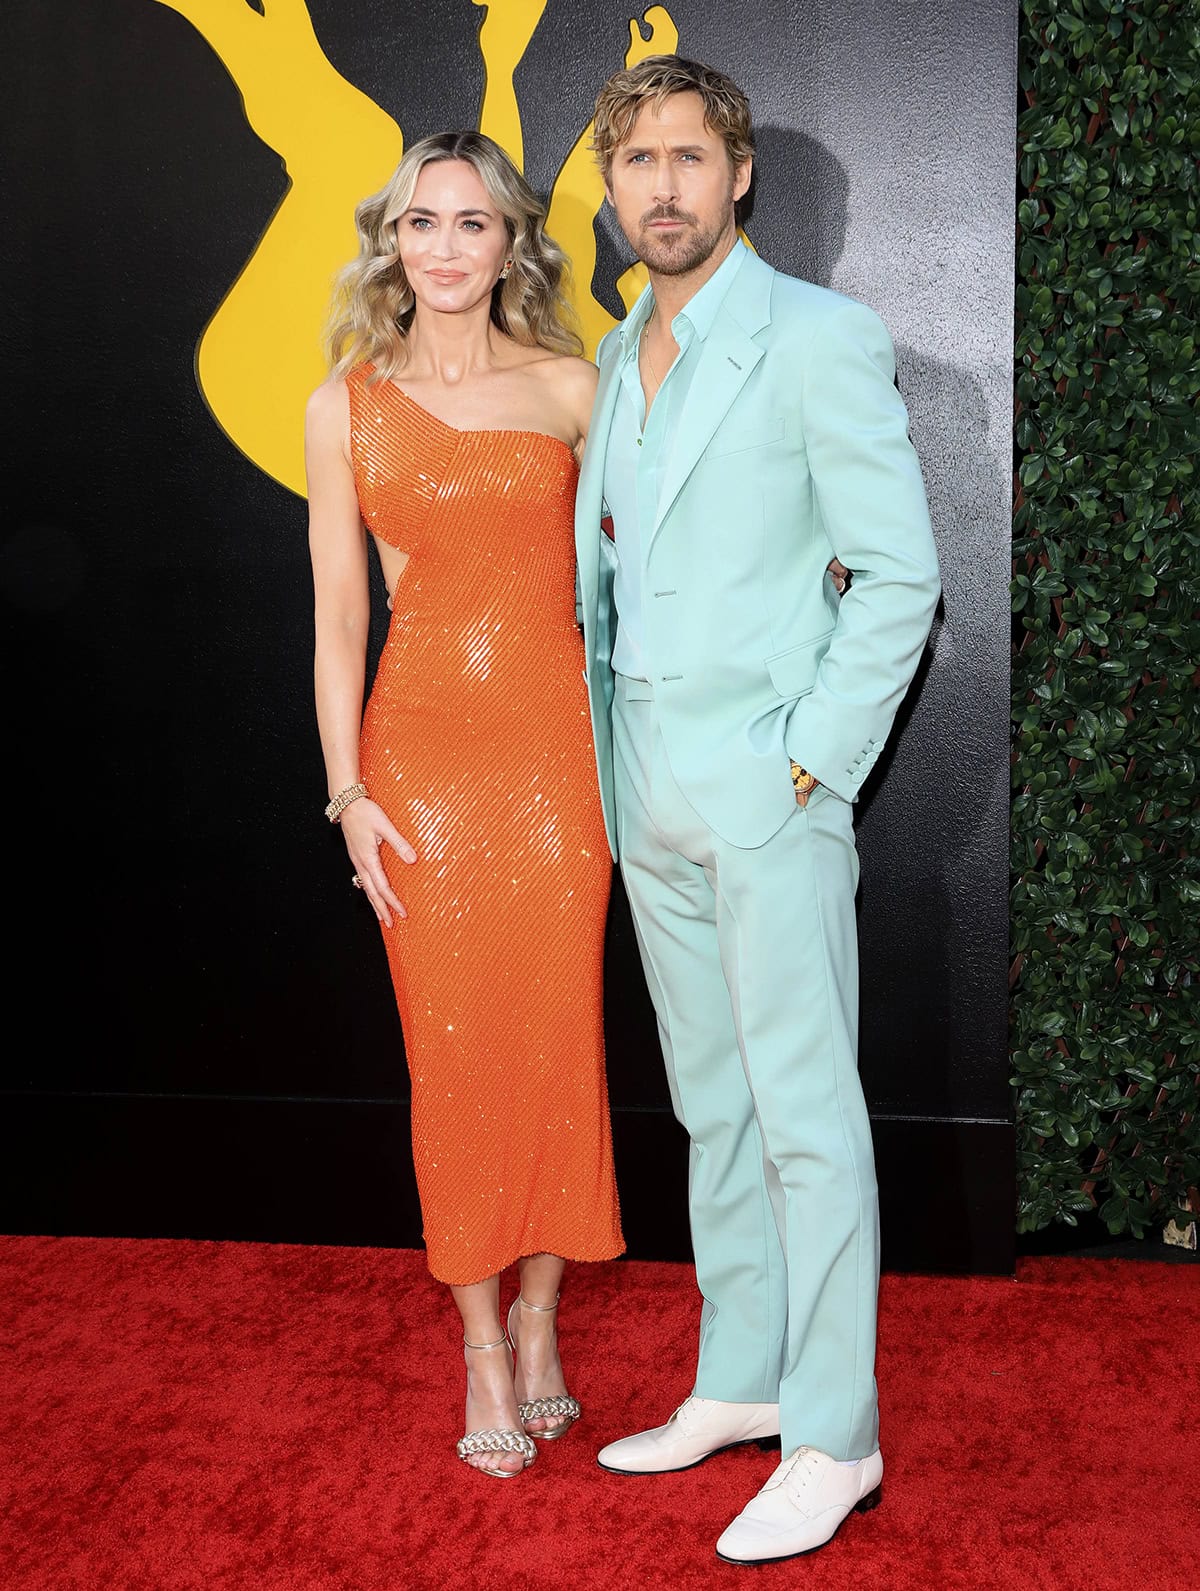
570,1259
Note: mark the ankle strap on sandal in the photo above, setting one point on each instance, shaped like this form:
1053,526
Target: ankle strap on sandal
502,1338
541,1309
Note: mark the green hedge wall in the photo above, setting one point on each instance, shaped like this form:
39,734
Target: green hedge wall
1106,595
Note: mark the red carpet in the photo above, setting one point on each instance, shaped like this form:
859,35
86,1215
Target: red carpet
259,1417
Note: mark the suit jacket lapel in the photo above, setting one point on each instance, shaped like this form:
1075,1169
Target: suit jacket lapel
726,360
591,479
590,492
724,367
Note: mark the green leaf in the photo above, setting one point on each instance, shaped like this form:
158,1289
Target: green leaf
1105,900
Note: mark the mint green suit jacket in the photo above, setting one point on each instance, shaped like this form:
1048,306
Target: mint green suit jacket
792,447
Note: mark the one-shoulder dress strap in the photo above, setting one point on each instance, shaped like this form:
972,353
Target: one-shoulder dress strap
400,465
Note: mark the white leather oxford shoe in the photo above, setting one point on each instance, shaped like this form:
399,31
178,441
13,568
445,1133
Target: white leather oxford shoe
698,1428
801,1507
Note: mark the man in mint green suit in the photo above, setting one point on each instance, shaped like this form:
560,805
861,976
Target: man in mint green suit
746,436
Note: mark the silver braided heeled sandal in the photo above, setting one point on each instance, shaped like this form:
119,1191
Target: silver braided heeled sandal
559,1407
494,1441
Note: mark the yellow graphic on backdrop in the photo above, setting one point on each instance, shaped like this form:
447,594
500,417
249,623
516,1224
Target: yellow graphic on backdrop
259,357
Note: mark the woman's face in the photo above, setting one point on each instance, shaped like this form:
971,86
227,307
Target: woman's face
452,240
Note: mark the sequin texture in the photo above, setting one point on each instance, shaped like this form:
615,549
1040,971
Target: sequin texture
476,742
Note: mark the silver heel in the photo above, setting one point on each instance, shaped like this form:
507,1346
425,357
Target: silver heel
495,1441
562,1406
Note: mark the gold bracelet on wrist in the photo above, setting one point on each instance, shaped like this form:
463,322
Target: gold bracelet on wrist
342,800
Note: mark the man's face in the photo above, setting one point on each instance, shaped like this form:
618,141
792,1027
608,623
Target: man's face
673,187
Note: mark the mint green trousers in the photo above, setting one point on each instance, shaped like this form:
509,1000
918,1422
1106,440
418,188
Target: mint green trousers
751,958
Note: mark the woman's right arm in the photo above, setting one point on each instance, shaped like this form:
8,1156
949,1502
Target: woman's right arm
337,545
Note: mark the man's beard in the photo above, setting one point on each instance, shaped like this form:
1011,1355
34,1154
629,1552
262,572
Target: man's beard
677,254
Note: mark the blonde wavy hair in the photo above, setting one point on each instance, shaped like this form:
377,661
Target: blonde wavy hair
652,82
373,304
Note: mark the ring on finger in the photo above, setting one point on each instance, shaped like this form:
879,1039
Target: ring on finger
357,881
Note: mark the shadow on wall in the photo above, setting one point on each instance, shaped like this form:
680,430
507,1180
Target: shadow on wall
940,831
937,833
805,237
933,850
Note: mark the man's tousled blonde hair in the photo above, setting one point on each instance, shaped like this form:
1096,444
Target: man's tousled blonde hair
652,82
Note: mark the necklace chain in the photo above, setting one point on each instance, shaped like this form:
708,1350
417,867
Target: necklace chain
646,347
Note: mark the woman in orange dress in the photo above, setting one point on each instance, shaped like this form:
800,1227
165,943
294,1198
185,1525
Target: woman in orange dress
449,433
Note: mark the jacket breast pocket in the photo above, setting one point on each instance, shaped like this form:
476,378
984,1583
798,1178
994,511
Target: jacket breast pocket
740,438
794,671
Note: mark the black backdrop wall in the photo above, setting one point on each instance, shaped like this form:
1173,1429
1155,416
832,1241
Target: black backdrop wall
205,1041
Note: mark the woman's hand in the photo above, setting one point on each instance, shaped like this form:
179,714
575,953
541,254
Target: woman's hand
367,828
839,574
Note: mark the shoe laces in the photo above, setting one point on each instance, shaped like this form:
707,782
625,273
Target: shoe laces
799,1467
686,1413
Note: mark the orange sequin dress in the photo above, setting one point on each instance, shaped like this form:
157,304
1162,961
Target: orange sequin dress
476,742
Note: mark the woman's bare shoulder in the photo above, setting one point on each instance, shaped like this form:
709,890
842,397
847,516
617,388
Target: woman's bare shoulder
327,419
330,401
571,388
571,383
327,412
568,374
